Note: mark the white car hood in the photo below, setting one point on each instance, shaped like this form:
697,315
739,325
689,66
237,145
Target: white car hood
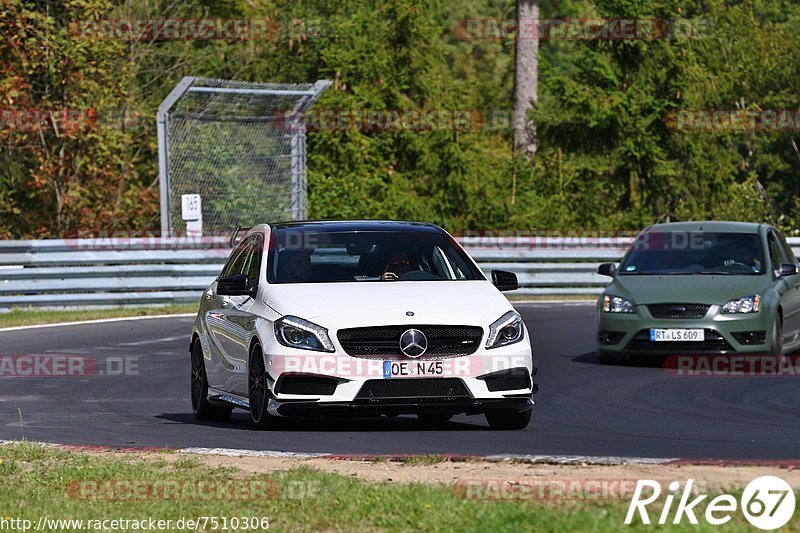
357,304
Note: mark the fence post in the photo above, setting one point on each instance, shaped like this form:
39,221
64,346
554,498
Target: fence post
162,127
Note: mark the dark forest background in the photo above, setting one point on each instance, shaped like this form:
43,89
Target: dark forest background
607,158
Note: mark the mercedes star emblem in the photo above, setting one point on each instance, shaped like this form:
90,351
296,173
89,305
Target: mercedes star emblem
413,343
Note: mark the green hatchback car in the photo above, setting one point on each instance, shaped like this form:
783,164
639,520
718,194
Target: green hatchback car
701,288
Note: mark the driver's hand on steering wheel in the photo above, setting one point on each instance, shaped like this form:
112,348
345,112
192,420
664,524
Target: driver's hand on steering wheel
389,276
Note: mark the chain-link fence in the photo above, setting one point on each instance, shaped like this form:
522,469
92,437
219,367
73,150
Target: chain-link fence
240,146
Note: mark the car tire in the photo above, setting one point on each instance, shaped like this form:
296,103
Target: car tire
201,407
776,339
508,419
434,419
258,388
608,358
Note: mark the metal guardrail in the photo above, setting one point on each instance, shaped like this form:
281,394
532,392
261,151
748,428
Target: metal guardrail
548,266
96,272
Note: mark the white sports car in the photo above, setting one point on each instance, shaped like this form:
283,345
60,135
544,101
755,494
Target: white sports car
359,318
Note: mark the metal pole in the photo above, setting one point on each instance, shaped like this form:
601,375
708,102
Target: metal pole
163,175
298,145
266,92
162,126
298,169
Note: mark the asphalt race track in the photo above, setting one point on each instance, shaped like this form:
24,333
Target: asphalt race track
583,408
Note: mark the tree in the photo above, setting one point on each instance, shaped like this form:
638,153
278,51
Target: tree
67,156
526,67
606,155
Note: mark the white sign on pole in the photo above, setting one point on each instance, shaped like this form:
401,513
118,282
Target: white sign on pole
191,207
192,213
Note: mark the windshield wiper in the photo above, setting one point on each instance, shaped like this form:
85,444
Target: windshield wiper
689,273
659,273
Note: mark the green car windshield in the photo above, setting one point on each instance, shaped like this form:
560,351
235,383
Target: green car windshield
695,253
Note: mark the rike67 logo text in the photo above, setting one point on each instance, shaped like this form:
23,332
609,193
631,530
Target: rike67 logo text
767,503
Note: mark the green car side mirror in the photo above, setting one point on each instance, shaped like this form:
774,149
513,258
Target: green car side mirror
607,269
787,269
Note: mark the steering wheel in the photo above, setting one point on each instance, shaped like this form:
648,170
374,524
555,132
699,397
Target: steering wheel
418,275
740,266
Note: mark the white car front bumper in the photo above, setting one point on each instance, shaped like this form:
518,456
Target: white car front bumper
314,383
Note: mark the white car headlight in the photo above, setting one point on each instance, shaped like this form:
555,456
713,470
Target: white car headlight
505,330
745,304
617,304
295,332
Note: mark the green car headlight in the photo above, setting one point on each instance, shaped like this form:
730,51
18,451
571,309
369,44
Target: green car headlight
745,304
617,304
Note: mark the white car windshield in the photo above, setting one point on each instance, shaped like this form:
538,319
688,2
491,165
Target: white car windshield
324,257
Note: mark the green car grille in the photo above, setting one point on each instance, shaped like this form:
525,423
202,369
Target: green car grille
678,310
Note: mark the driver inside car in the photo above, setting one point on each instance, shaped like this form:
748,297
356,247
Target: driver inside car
745,257
397,265
295,266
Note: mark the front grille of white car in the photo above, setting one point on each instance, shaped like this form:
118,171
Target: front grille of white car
440,388
378,342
